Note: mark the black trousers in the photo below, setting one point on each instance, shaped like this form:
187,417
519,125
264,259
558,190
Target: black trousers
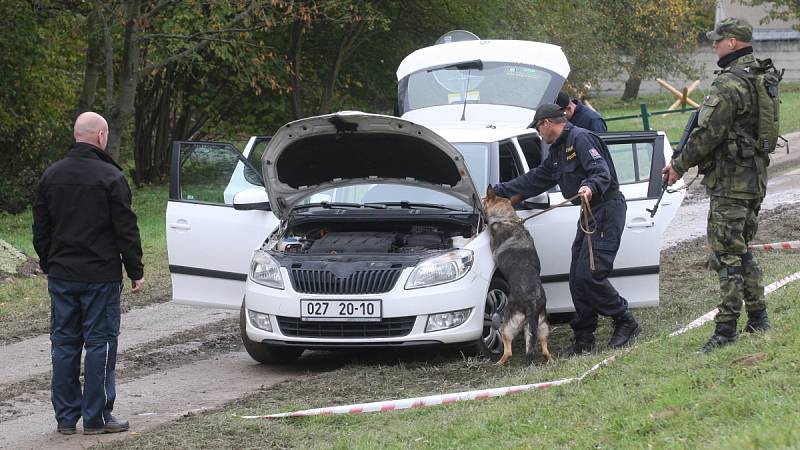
83,316
592,293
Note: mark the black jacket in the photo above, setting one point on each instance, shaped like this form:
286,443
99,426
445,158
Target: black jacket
577,158
83,225
585,117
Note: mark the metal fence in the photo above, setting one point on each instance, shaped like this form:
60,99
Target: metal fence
645,115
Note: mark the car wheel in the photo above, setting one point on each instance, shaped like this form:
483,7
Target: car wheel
490,344
265,353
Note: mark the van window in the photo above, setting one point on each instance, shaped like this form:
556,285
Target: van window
509,168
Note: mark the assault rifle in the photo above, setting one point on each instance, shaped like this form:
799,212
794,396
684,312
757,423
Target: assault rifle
691,124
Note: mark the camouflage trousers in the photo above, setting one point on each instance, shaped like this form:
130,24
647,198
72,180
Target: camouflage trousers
732,225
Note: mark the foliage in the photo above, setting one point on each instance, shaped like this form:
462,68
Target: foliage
653,38
37,85
786,10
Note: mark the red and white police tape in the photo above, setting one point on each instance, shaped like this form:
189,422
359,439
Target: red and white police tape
481,394
776,246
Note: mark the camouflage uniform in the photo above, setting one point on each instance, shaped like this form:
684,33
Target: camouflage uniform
724,145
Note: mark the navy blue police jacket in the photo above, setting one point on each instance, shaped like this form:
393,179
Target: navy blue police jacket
577,158
585,117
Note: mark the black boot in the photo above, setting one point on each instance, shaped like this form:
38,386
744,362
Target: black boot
757,321
724,334
583,344
625,328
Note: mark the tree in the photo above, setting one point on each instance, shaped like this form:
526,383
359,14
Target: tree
652,38
787,10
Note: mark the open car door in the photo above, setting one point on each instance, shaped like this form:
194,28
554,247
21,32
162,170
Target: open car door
209,242
638,158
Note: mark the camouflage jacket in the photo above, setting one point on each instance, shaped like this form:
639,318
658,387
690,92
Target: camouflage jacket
724,142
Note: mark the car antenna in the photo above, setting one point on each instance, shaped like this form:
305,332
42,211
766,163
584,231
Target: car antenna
466,89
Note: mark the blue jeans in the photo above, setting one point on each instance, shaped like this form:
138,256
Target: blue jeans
83,316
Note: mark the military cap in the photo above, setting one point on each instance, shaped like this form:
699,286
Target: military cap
732,28
548,111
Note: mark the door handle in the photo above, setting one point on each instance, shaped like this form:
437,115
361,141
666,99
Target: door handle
181,225
641,222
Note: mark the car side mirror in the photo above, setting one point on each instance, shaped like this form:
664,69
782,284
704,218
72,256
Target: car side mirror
251,200
541,201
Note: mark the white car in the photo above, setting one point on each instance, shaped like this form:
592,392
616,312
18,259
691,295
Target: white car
371,230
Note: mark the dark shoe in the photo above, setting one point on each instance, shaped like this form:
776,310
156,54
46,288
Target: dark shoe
66,429
582,345
625,328
757,321
111,426
724,334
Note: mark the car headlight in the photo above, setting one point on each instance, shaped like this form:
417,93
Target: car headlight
443,321
441,269
265,270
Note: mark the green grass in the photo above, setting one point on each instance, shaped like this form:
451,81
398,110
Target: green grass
24,302
661,394
673,124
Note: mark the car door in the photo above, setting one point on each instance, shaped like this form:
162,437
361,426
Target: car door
208,241
638,158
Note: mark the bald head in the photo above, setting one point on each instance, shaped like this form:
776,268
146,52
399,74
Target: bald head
91,128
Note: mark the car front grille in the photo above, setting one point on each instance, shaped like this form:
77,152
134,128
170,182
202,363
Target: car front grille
373,281
388,327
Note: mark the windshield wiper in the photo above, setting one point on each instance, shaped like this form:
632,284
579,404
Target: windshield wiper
341,205
408,205
466,65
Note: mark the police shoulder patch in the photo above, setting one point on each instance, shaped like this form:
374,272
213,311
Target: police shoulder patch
595,154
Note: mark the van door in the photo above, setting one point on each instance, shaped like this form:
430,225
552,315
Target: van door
209,242
638,159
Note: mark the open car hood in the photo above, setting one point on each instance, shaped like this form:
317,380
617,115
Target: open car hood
347,148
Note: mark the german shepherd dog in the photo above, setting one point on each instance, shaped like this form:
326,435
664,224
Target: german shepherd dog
516,259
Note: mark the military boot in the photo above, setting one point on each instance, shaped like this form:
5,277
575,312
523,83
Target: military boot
584,343
625,328
757,321
724,334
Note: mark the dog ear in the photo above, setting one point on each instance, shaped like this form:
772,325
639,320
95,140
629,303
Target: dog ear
516,199
490,194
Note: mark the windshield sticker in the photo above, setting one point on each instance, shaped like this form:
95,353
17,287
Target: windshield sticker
456,97
518,71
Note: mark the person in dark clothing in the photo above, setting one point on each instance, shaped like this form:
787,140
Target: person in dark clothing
579,163
581,115
84,231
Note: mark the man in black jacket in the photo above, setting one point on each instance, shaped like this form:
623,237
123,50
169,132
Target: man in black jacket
579,163
581,115
84,231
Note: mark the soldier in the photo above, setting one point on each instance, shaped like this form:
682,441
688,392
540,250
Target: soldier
579,163
725,146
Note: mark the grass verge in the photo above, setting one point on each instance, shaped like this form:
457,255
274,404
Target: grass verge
24,302
673,124
661,394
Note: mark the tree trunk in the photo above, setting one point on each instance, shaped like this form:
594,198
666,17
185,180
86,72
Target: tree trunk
352,30
128,79
632,88
294,67
94,62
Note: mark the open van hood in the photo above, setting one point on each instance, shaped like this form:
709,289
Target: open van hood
347,148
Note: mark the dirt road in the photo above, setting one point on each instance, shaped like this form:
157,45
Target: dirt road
782,188
177,360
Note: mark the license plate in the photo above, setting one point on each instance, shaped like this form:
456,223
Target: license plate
341,310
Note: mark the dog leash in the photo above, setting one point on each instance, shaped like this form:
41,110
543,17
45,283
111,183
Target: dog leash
586,216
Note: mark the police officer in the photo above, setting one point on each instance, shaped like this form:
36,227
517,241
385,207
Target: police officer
84,231
581,115
579,163
724,144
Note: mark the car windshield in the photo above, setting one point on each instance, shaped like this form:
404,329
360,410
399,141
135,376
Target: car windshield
476,156
494,83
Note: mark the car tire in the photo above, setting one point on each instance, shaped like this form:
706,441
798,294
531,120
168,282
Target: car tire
265,353
490,344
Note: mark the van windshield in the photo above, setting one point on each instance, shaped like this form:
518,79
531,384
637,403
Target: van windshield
496,83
